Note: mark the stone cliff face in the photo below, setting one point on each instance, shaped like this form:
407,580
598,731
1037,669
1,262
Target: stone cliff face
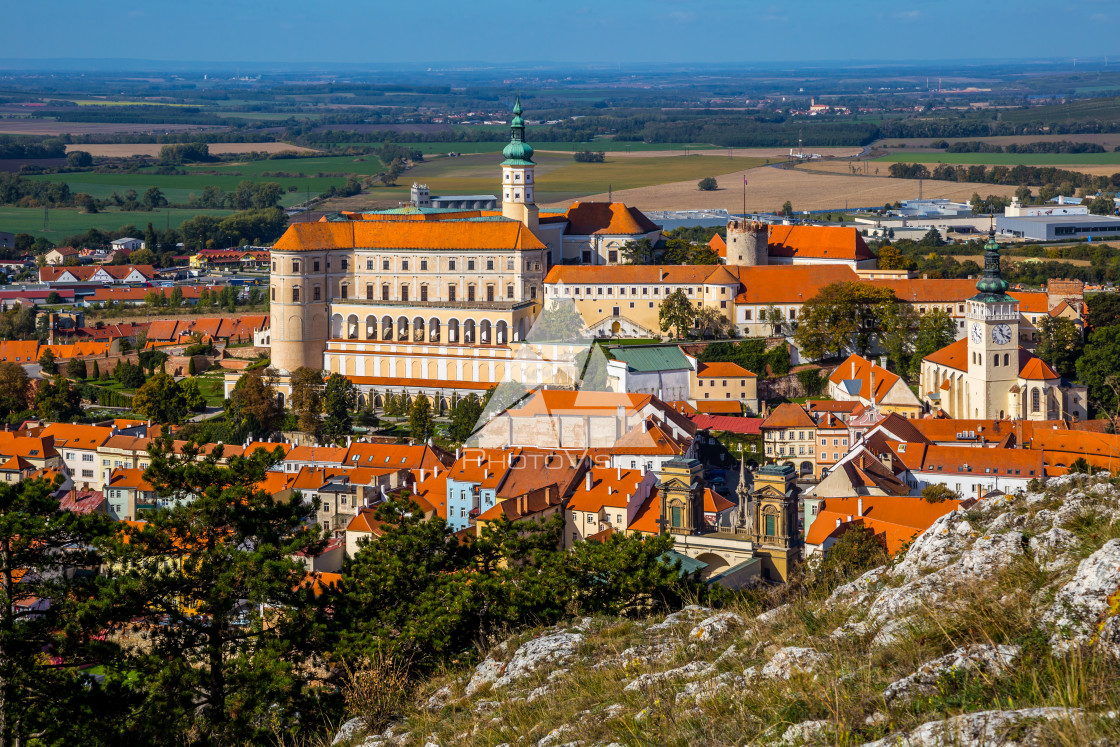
998,625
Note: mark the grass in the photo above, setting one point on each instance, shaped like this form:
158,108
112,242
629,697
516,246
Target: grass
559,177
1005,159
178,188
64,222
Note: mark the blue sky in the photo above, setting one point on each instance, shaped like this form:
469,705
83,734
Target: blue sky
611,31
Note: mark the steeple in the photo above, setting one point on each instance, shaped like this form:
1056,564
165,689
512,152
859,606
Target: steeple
517,152
992,287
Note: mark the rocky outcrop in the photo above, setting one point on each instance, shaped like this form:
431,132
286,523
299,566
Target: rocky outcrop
981,729
715,626
1084,610
980,659
550,649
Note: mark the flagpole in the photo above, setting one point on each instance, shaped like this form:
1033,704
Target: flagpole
744,198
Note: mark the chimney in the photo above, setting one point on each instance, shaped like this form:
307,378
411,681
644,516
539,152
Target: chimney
859,507
610,490
587,480
421,474
850,517
837,523
618,473
871,385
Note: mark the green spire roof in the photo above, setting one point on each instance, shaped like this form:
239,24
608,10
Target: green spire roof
992,287
518,152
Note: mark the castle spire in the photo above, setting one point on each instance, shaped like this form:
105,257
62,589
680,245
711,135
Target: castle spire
992,287
517,152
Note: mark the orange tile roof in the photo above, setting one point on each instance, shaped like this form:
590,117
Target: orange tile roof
921,290
608,218
317,454
858,367
897,518
723,369
789,415
715,503
391,456
77,436
954,355
123,477
496,235
433,491
607,489
87,349
788,283
19,351
16,464
34,447
953,460
84,273
275,482
1037,370
648,515
1032,302
719,406
624,274
718,245
820,242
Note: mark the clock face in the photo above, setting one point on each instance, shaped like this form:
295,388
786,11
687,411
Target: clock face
1001,335
977,334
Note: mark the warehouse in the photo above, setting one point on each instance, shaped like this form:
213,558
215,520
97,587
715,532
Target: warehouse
1058,227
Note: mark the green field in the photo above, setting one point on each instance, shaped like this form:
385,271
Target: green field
561,178
1005,159
179,188
610,146
67,222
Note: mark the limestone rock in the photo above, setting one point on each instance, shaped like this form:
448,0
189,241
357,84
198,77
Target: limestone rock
689,671
349,730
639,655
549,649
937,546
1050,547
439,698
770,616
706,689
793,660
1081,608
691,612
980,729
715,626
859,591
981,657
807,732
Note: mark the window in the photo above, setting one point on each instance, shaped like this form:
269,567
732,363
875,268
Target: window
404,292
676,511
423,265
384,264
295,265
345,264
295,294
273,294
369,291
490,293
369,264
87,473
470,292
87,457
1036,400
423,293
451,293
509,291
451,264
1006,358
404,265
315,266
317,293
489,264
345,291
771,525
470,265
509,263
385,292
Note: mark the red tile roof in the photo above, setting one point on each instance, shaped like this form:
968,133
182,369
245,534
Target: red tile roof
607,218
496,235
742,426
789,415
819,242
788,283
723,369
858,367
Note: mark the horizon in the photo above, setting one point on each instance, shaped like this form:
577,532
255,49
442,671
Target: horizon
658,32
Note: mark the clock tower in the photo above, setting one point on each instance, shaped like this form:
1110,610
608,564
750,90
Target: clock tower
992,317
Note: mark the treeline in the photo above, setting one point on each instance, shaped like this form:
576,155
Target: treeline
965,127
256,227
1021,176
16,146
248,196
1055,146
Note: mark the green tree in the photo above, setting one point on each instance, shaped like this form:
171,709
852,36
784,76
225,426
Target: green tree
707,184
161,400
1080,466
890,258
773,316
253,407
306,399
191,370
1096,368
639,252
1060,344
712,323
676,313
1023,194
192,395
79,159
53,298
559,321
340,397
176,299
1102,204
58,400
936,329
15,389
1104,309
938,493
787,208
153,198
842,316
897,324
420,423
932,238
219,566
95,372
40,547
464,417
76,368
47,362
856,551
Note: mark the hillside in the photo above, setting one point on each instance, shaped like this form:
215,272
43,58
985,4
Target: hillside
999,625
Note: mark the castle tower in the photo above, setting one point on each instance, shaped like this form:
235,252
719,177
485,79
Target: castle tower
992,317
747,243
299,295
776,535
517,174
682,496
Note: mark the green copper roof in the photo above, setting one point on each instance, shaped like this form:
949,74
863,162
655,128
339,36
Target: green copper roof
518,152
992,287
644,358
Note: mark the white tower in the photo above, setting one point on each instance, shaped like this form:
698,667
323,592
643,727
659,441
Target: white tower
517,174
993,343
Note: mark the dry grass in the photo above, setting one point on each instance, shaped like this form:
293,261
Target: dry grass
376,689
768,188
123,150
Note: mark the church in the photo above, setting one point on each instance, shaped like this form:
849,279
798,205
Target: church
987,374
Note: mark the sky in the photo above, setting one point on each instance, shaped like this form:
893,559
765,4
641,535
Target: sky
580,31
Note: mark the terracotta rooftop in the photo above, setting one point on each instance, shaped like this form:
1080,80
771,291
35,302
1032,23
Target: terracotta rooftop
819,242
607,218
503,235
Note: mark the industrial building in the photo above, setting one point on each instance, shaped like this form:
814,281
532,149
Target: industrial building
1058,227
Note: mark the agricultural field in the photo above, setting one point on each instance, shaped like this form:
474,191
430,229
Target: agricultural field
123,150
30,126
768,188
63,222
1071,160
609,146
1106,140
561,178
178,188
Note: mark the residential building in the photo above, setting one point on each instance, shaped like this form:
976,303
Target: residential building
55,276
896,521
661,370
78,445
129,494
59,255
860,380
723,381
789,436
608,498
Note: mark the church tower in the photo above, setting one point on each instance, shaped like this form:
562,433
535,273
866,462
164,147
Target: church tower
774,531
682,496
992,317
517,174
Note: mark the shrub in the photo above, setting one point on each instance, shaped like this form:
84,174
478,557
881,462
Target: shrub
708,184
